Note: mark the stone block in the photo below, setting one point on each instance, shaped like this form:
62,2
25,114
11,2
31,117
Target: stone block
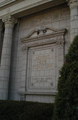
1,73
1,84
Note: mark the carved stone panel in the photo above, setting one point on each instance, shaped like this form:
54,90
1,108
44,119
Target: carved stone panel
41,67
43,60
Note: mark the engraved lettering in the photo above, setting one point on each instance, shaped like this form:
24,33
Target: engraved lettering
42,62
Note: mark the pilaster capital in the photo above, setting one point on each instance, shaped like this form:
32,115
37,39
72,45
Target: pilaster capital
1,26
72,3
9,20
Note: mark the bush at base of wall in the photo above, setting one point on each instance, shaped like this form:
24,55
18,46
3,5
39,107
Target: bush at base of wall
15,110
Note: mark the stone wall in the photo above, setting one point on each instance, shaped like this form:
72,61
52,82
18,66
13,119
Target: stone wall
52,18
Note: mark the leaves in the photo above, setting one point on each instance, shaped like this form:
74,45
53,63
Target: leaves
66,100
15,110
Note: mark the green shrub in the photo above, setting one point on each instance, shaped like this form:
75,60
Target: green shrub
66,101
15,110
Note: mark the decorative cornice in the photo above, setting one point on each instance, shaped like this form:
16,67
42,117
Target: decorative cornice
6,2
52,38
25,7
39,30
9,20
56,32
56,40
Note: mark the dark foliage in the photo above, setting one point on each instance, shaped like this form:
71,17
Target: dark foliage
66,102
15,110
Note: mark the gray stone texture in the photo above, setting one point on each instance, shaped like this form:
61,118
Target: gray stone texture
73,4
53,18
18,81
6,56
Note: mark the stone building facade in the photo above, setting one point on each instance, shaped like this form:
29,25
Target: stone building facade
34,38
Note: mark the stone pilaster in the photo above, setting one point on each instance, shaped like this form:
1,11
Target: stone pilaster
73,4
9,22
1,28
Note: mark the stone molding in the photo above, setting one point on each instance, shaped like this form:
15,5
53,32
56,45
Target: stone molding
26,7
6,2
38,93
9,20
56,37
42,28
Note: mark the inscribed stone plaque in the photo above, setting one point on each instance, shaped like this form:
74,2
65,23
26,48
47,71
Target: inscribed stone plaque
42,66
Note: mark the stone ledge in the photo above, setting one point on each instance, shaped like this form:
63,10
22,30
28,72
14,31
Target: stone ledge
6,2
23,8
38,93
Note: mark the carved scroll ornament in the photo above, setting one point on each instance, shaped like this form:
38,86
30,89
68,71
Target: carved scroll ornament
56,37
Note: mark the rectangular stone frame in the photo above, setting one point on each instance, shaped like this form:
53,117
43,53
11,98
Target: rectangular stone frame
57,39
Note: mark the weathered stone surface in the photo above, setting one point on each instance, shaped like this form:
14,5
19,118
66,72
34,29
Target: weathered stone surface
34,47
